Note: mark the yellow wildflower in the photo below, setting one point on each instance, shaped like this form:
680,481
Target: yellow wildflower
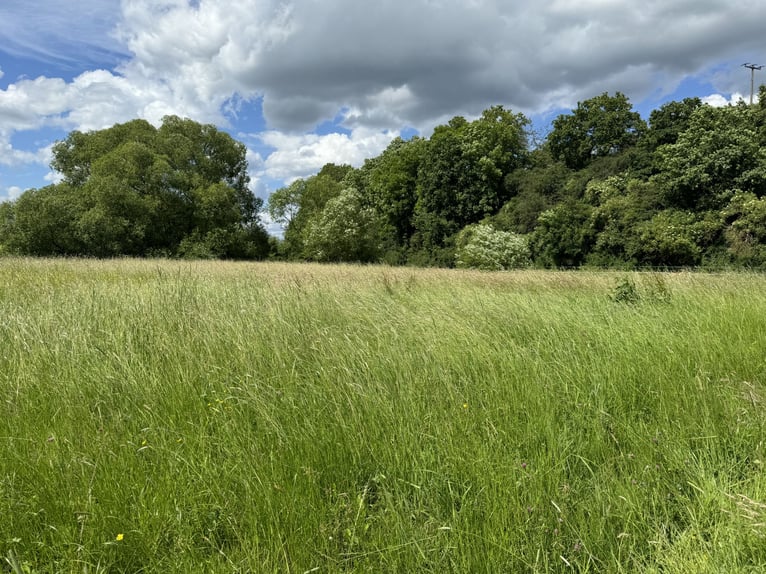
120,536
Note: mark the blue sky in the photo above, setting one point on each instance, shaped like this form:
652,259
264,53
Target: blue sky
303,83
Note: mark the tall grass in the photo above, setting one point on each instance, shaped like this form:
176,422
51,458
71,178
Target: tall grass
221,417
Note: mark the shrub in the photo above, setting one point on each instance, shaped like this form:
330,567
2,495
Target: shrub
483,247
625,291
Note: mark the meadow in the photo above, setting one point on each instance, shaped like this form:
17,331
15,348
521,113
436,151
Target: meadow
162,416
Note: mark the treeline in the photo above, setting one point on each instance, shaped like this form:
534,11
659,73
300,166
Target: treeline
180,190
605,188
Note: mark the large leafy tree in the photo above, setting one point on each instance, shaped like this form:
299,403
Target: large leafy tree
42,222
720,151
388,184
461,178
669,121
601,126
285,203
298,204
134,189
73,157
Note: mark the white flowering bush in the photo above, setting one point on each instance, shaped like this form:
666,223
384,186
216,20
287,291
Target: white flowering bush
483,247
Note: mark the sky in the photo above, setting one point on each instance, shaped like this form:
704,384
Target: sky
306,82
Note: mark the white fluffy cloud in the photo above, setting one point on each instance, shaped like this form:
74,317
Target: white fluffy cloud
301,155
719,101
93,100
10,156
383,65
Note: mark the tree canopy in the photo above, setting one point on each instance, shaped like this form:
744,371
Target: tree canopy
133,189
601,126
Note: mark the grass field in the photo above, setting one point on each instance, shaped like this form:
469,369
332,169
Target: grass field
221,417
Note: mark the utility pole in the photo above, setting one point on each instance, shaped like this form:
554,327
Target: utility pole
753,68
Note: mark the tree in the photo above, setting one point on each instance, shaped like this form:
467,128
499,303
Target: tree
621,205
532,190
121,209
564,235
462,173
388,184
42,222
745,219
74,156
201,155
344,231
302,201
719,152
669,239
285,203
669,121
601,126
135,190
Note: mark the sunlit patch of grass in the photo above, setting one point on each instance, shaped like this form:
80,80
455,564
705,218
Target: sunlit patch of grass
174,416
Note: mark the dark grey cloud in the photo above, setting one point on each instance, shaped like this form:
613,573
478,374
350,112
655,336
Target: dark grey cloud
456,57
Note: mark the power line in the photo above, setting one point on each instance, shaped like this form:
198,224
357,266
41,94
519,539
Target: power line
753,68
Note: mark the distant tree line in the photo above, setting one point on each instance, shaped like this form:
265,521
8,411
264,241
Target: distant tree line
605,188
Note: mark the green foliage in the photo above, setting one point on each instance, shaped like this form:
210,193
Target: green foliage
626,291
745,217
669,121
666,124
482,247
621,205
601,126
225,243
564,235
605,189
136,190
74,157
43,222
719,152
653,289
201,155
285,202
343,231
462,172
669,239
656,288
302,202
389,185
532,190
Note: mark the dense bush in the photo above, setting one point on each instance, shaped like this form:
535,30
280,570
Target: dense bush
482,247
